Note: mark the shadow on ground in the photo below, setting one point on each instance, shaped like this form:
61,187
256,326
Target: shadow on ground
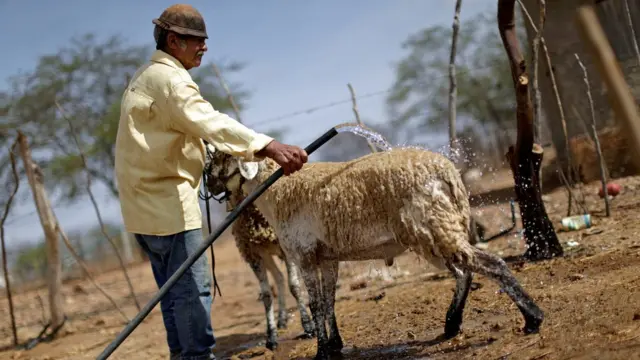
409,350
236,344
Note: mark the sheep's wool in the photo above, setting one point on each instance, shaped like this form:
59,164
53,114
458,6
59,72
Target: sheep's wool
411,196
253,235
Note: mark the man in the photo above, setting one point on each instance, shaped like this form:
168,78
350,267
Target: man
159,161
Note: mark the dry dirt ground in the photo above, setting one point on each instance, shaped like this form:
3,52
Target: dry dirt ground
591,298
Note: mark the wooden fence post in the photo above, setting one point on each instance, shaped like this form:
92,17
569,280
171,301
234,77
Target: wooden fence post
49,226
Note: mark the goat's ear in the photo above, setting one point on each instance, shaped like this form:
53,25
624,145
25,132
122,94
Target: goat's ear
248,170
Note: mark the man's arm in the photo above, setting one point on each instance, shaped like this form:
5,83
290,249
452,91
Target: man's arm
195,115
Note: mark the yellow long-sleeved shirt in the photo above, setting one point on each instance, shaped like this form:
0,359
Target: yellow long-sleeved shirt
160,156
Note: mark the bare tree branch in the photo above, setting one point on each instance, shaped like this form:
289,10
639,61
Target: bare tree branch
537,102
620,97
5,268
232,101
97,209
594,129
84,268
354,107
453,90
111,185
632,30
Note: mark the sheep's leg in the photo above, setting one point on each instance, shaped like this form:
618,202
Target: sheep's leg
329,280
496,269
317,304
279,279
267,299
294,287
454,314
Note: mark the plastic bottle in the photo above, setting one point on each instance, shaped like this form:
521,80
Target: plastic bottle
576,222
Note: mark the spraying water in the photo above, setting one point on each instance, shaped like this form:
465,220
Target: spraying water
455,153
375,138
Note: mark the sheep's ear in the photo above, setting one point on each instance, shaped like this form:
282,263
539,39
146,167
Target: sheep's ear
248,170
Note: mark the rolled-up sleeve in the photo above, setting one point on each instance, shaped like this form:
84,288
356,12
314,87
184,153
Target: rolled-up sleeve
194,115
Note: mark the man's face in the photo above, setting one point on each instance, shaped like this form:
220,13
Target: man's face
187,49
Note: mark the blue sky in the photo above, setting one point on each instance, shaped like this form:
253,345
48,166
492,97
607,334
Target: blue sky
300,54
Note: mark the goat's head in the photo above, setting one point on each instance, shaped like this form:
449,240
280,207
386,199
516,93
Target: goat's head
226,173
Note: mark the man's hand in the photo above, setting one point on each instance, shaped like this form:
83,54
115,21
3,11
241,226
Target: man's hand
290,158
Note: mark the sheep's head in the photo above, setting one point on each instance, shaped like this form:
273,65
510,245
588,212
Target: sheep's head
226,173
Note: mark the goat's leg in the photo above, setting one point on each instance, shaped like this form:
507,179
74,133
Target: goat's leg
312,281
453,320
267,299
496,269
329,279
294,287
279,279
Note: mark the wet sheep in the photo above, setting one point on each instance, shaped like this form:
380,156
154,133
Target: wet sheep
373,207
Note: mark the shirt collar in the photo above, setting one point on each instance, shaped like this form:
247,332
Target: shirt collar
162,57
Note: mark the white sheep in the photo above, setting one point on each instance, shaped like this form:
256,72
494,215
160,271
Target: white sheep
258,244
373,207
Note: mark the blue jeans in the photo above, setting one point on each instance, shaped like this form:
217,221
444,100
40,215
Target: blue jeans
186,308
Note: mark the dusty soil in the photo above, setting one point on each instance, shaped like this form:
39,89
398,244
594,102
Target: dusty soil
591,298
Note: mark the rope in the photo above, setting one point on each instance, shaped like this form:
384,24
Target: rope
206,196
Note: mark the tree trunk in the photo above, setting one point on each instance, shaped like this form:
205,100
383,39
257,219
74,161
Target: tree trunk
526,157
49,225
563,41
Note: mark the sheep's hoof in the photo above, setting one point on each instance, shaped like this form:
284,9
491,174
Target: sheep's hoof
532,324
309,329
452,326
451,331
282,323
335,345
322,354
272,345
